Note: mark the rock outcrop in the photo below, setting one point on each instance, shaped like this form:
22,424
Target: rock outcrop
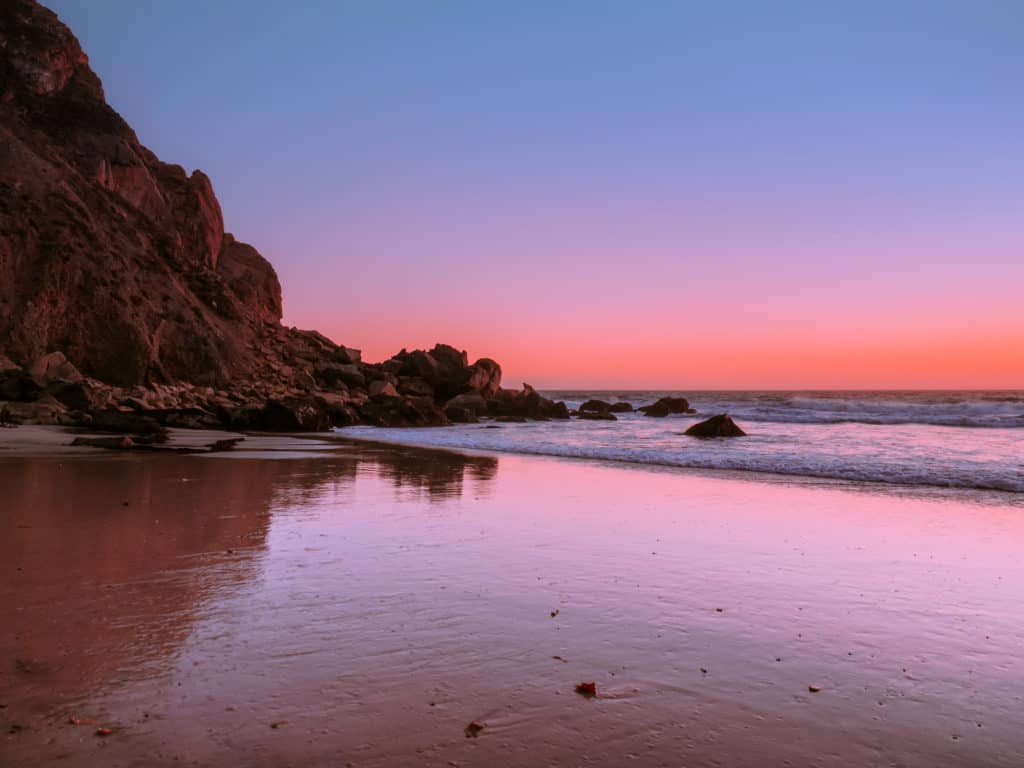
717,426
121,292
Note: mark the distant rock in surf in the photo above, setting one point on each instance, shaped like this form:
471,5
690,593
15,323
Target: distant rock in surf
717,426
665,406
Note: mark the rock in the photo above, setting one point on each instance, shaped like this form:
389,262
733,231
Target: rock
120,442
339,409
527,403
6,364
597,416
347,374
8,419
45,410
402,412
484,377
52,366
294,414
415,386
658,409
381,388
461,415
595,406
621,407
664,406
345,354
470,401
716,426
15,384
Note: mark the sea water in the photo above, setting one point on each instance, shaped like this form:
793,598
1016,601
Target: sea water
957,440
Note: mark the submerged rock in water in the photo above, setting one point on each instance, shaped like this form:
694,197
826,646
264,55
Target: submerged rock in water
717,426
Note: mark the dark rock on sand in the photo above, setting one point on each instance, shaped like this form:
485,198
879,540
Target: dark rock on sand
717,426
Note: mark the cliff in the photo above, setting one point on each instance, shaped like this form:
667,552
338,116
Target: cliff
120,291
106,253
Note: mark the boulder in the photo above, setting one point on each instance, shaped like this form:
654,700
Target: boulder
345,354
381,388
459,415
294,414
15,384
472,401
82,395
339,409
595,406
527,403
484,377
344,373
717,426
621,407
6,364
658,409
402,412
45,410
414,386
52,366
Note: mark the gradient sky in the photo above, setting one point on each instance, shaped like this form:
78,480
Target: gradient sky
656,194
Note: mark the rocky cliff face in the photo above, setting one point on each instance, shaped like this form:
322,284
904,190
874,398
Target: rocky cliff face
125,306
106,253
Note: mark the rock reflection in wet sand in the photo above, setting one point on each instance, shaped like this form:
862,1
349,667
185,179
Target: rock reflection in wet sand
369,602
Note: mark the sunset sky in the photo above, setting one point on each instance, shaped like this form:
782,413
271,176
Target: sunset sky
611,194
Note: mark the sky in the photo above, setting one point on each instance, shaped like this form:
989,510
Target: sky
737,195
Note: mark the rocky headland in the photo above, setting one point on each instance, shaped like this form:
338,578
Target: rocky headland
123,298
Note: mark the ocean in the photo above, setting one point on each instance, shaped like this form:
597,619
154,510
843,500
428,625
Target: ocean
954,440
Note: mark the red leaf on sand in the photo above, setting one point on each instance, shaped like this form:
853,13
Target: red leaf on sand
473,729
586,689
103,731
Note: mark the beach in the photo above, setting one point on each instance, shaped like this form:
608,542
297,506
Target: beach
317,601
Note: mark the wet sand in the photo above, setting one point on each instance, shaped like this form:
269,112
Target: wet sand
323,604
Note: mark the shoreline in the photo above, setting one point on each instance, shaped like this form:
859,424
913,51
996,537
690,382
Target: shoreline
48,441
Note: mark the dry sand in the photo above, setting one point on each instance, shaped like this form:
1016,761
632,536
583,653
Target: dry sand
361,604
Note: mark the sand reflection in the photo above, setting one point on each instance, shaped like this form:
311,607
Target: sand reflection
107,561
